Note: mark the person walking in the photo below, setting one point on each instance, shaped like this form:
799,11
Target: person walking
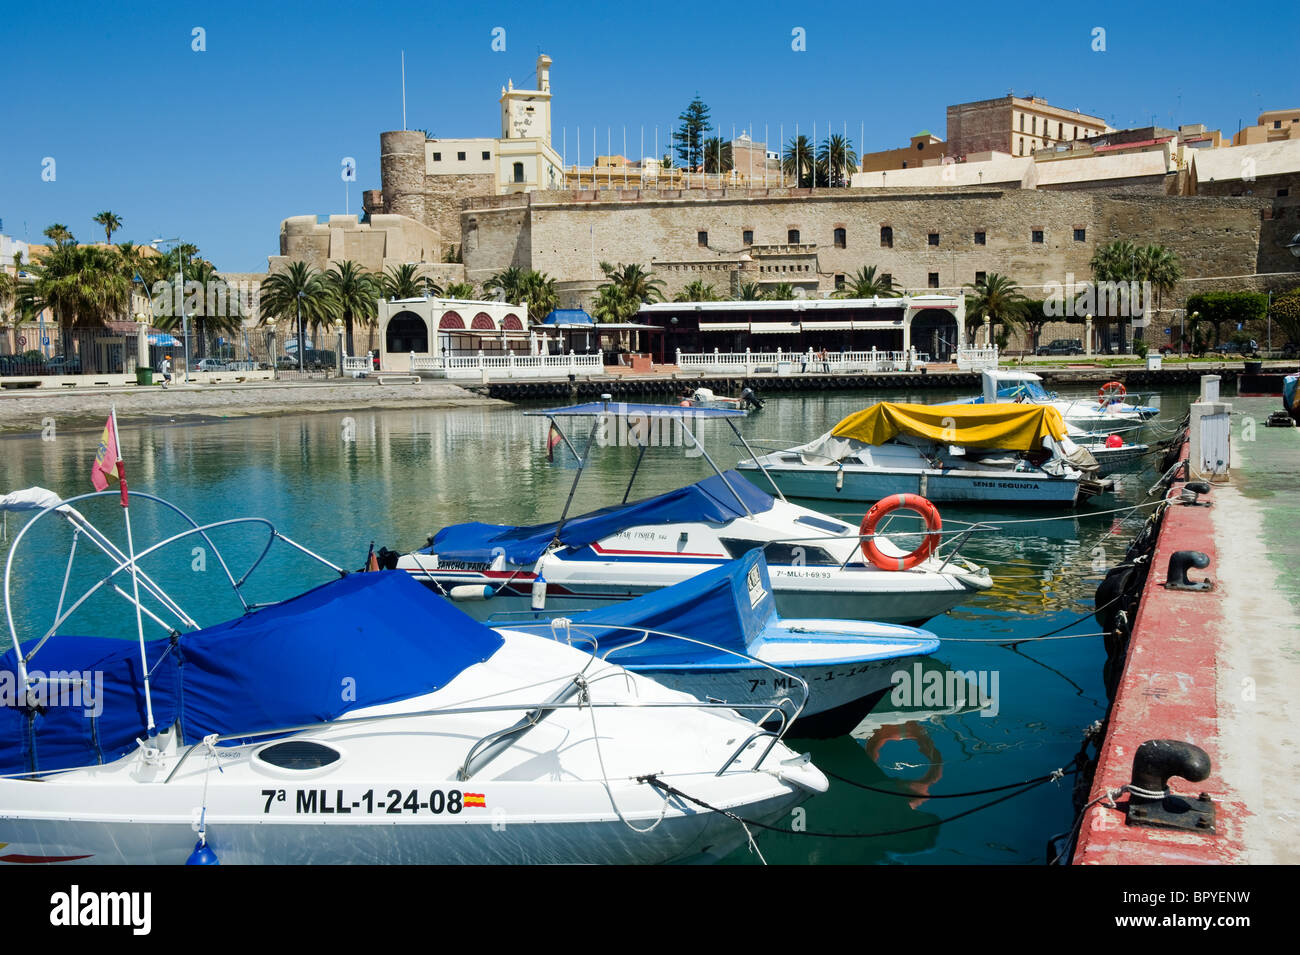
165,367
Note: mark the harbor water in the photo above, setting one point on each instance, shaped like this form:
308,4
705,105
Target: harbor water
337,482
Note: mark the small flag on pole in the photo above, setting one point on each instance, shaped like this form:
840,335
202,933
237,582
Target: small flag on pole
108,460
552,439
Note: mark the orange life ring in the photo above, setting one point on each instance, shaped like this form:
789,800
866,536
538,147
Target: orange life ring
1112,392
911,502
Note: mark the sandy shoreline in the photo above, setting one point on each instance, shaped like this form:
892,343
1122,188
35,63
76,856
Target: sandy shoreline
24,412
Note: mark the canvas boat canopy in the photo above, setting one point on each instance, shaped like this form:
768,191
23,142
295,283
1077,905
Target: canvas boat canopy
1011,427
710,500
276,667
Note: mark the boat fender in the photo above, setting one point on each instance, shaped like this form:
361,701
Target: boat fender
1114,441
911,502
471,592
202,854
539,593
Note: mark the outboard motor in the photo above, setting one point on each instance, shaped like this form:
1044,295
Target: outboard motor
750,400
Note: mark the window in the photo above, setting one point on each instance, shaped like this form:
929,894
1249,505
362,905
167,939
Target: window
841,238
979,238
886,236
792,236
1080,235
933,238
298,754
486,154
1022,145
747,237
1060,130
1283,192
1034,126
1036,236
702,239
1022,122
460,156
920,146
934,279
979,277
904,163
1277,124
437,157
1075,134
839,280
519,172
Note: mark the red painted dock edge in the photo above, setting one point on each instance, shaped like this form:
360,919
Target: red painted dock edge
1169,690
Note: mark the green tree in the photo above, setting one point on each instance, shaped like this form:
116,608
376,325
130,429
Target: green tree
697,291
997,298
358,292
637,284
209,305
613,304
690,134
749,292
717,156
836,161
1115,262
1228,308
59,234
406,281
538,292
463,290
300,294
509,283
111,224
82,286
781,291
866,283
1286,312
798,162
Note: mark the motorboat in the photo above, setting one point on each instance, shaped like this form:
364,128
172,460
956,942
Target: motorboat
622,551
718,636
1005,453
364,721
1111,411
702,397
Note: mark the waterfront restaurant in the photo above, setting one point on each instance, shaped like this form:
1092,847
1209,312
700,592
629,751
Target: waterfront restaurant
934,324
448,327
573,329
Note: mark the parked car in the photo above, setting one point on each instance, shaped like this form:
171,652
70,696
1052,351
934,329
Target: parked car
211,364
63,365
1062,346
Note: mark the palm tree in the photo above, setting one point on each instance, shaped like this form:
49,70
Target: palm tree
997,298
300,293
1161,268
797,161
59,234
613,304
1114,262
717,156
636,283
538,290
697,291
459,290
210,310
782,291
509,282
405,281
81,285
111,224
866,283
749,292
836,160
357,292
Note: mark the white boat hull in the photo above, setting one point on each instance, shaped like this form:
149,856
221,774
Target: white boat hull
867,486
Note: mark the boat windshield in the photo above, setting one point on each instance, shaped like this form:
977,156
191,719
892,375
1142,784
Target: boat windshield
1026,389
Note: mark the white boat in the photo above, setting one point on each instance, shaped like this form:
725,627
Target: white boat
947,454
365,721
1109,412
706,398
718,636
625,550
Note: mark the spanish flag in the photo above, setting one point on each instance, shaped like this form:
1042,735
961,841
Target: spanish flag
552,439
108,460
475,801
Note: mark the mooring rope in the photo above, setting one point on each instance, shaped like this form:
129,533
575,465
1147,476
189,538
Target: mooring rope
1048,777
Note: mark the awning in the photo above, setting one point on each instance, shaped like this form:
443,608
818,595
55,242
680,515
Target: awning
1013,427
162,338
724,326
774,328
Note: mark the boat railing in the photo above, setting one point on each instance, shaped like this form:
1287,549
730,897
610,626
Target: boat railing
545,706
564,628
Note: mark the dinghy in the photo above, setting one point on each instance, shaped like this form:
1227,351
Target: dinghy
364,721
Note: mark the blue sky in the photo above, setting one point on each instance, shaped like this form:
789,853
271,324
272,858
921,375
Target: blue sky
218,146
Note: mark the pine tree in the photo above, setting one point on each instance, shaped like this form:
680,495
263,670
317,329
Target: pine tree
690,135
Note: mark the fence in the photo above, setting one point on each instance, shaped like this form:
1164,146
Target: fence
977,359
483,367
797,363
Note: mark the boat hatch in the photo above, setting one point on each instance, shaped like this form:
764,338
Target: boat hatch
298,754
835,527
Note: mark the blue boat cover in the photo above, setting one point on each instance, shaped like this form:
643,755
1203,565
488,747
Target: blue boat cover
728,607
1290,395
707,500
568,316
356,642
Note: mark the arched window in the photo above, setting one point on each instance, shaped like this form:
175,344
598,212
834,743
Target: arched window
406,333
841,238
483,322
512,323
451,320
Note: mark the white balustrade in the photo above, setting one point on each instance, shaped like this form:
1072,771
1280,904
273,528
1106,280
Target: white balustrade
497,367
803,362
977,359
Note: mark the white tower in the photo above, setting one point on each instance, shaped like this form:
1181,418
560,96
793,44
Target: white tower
526,114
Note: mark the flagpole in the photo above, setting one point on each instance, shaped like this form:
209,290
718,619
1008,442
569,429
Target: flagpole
135,577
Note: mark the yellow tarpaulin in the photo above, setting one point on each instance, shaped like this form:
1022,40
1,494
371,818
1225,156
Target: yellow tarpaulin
1015,427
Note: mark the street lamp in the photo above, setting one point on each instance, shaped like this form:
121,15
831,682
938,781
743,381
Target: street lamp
302,339
338,327
180,295
275,363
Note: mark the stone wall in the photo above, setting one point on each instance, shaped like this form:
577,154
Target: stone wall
383,241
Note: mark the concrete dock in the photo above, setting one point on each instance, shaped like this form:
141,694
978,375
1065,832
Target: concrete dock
1218,668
